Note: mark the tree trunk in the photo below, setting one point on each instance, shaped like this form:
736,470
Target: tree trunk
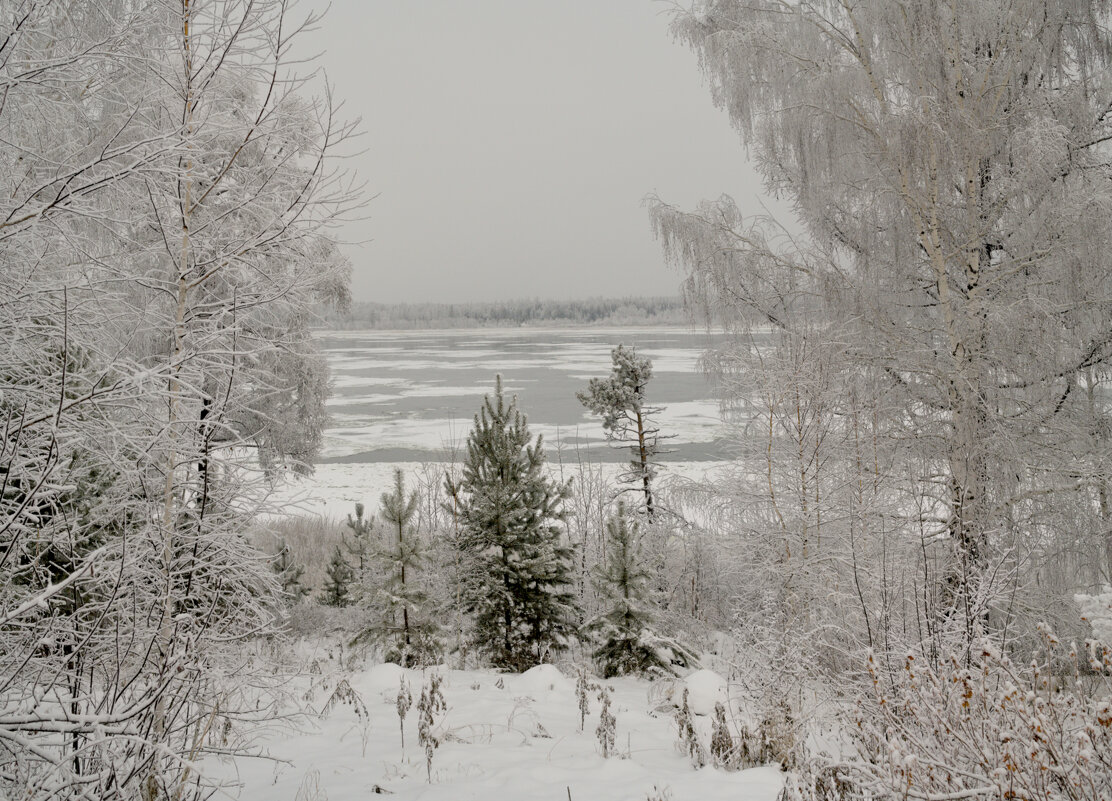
644,454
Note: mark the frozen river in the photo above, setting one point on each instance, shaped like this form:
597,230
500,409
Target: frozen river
407,398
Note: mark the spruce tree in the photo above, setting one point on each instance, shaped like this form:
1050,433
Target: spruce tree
508,510
624,628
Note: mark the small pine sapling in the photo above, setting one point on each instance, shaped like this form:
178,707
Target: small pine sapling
404,702
289,575
402,619
606,724
413,636
721,742
361,543
431,704
688,742
337,587
623,629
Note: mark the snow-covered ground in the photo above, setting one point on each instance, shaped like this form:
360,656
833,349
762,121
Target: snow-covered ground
505,738
334,489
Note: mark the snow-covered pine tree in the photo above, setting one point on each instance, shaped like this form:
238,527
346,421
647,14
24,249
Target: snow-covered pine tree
337,587
523,598
620,400
289,574
621,582
407,625
359,545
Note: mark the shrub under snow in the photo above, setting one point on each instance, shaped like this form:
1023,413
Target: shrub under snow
989,729
1097,610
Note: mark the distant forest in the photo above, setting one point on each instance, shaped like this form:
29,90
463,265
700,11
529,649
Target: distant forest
595,311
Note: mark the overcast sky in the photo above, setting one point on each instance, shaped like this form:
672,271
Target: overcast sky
510,143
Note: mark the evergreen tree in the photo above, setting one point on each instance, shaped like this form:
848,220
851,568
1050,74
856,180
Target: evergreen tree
508,508
413,635
337,587
624,629
289,574
620,400
360,547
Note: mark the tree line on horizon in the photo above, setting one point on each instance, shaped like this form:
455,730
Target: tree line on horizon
659,310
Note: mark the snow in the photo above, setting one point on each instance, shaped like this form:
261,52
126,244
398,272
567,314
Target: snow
1097,610
544,679
691,421
335,488
386,677
511,737
705,688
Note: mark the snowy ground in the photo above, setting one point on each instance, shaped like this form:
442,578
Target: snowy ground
514,742
334,489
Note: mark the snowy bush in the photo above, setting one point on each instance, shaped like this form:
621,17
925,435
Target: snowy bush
722,748
345,695
1097,611
986,729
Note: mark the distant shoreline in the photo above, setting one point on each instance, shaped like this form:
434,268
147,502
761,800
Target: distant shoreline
597,312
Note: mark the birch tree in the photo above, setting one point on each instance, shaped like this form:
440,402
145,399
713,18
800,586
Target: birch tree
948,164
164,227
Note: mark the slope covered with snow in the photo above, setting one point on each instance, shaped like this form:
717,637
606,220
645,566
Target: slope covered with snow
502,738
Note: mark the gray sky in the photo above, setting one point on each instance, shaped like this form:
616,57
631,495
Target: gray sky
510,144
